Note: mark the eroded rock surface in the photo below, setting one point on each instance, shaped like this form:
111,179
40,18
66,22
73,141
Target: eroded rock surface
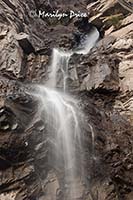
101,80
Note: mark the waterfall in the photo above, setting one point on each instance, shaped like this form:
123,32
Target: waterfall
88,42
63,117
62,114
60,60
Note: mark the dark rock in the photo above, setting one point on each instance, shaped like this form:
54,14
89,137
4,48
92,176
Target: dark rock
23,40
8,119
100,80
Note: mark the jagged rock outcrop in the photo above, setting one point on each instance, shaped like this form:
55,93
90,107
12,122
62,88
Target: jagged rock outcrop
106,14
102,80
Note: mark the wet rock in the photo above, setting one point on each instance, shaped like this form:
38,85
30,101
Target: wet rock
51,187
105,78
8,119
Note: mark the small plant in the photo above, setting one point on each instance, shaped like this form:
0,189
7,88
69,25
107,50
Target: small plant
114,20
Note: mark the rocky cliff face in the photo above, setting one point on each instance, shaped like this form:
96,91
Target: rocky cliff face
102,80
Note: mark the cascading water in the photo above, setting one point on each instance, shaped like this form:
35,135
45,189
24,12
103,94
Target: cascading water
88,42
60,60
62,114
63,119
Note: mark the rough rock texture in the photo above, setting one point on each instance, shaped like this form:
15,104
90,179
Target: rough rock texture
102,81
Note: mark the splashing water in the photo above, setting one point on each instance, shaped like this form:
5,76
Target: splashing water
89,42
63,119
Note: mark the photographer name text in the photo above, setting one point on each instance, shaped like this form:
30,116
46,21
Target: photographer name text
57,14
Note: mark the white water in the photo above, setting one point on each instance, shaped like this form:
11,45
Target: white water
89,42
60,60
62,114
63,117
